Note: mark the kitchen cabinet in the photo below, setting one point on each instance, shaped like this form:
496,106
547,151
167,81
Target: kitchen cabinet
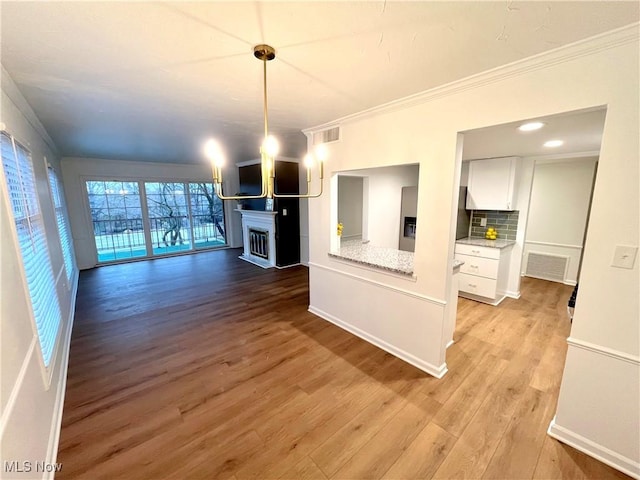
493,184
485,272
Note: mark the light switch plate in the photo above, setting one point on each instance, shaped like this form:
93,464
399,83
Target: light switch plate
284,212
624,256
483,222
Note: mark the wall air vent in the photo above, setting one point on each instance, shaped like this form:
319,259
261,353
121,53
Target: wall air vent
547,267
326,136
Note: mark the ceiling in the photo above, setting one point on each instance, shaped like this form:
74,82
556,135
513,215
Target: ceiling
580,131
152,80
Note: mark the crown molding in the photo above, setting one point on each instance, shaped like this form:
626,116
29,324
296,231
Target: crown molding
604,41
12,91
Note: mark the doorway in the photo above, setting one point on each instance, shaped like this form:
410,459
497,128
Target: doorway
556,158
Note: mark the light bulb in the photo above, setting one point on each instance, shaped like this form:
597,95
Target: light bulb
308,160
321,152
213,152
271,146
531,126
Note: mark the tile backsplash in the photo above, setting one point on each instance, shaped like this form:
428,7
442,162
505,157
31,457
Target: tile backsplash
506,223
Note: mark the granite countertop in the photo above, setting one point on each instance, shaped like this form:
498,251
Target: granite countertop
481,242
389,259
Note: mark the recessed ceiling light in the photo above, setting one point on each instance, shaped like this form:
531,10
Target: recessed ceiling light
528,127
553,143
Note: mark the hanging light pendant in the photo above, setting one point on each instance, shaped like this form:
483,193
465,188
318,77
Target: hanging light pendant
268,150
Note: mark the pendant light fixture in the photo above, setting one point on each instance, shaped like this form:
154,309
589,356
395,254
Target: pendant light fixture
268,151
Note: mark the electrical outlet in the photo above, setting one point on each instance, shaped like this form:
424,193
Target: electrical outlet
284,212
624,256
483,222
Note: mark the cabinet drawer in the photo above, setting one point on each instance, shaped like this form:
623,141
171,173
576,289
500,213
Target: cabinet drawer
487,252
482,267
485,287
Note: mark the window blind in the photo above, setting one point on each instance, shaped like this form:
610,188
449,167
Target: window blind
20,181
63,224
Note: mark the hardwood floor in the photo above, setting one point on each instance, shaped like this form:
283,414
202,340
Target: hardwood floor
204,366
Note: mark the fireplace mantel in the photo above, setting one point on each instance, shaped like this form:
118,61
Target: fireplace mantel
259,225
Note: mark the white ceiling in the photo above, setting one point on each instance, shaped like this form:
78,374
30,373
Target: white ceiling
580,131
152,80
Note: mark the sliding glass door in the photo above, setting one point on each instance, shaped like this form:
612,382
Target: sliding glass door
143,219
168,217
116,213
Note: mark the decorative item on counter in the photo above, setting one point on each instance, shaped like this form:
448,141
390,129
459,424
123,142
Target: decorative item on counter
491,234
340,228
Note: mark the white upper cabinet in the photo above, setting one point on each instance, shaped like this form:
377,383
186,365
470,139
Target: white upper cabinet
492,184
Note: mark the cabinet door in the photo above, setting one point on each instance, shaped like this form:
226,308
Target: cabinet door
491,184
478,266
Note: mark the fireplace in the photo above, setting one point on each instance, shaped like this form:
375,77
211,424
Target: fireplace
259,237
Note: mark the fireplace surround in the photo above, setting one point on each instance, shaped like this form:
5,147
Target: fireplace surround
259,237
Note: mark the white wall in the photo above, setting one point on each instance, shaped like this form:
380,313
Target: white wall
31,409
522,203
424,129
76,170
304,219
383,201
558,212
350,194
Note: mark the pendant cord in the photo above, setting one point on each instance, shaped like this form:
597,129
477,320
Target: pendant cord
266,121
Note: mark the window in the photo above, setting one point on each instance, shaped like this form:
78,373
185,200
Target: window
207,216
63,226
23,197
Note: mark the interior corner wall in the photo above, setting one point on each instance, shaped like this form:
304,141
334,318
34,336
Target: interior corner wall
606,325
559,208
524,195
304,219
76,171
31,410
384,194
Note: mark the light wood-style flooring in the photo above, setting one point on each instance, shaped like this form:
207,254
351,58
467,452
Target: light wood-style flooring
204,366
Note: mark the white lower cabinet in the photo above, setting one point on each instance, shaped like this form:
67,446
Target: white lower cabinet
485,272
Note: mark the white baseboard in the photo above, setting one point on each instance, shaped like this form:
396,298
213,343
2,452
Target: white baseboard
288,266
450,343
514,295
603,454
56,423
427,367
